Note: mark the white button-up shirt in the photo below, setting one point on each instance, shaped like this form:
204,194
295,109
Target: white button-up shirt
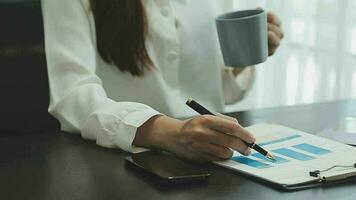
94,98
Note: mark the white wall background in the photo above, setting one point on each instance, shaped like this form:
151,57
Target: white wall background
317,59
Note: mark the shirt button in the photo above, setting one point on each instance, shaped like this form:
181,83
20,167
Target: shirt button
172,55
165,11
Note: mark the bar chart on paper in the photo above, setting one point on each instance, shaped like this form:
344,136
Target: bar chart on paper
296,153
285,147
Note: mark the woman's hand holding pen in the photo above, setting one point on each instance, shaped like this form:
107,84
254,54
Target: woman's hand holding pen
209,137
202,138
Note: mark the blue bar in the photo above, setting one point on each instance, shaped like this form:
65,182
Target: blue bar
250,162
279,140
293,154
277,158
311,149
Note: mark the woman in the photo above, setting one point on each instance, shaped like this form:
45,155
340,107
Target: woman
121,70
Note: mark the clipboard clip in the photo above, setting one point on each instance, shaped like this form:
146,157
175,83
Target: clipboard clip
317,173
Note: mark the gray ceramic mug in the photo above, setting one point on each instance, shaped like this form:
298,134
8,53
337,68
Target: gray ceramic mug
243,37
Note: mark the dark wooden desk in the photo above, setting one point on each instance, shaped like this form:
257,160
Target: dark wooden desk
64,166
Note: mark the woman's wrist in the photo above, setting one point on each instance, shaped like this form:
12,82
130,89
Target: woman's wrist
155,132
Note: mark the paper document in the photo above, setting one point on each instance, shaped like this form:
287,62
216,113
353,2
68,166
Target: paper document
296,152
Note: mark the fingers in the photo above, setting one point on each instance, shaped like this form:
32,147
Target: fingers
275,34
228,127
226,140
273,19
276,30
219,152
273,43
205,151
208,137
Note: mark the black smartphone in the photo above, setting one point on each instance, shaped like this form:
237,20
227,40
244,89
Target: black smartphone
166,168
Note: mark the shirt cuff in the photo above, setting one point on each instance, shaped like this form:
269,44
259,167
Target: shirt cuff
235,87
115,125
246,78
129,125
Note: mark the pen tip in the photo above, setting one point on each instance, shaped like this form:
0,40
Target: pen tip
270,156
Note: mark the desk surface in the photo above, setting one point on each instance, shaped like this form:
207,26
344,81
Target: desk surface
64,166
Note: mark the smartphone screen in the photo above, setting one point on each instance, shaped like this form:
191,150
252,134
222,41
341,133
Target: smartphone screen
166,167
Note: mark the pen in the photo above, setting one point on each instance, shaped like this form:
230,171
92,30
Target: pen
203,111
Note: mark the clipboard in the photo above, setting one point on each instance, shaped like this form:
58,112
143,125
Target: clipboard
303,160
323,182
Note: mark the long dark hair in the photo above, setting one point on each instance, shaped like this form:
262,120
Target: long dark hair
121,27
